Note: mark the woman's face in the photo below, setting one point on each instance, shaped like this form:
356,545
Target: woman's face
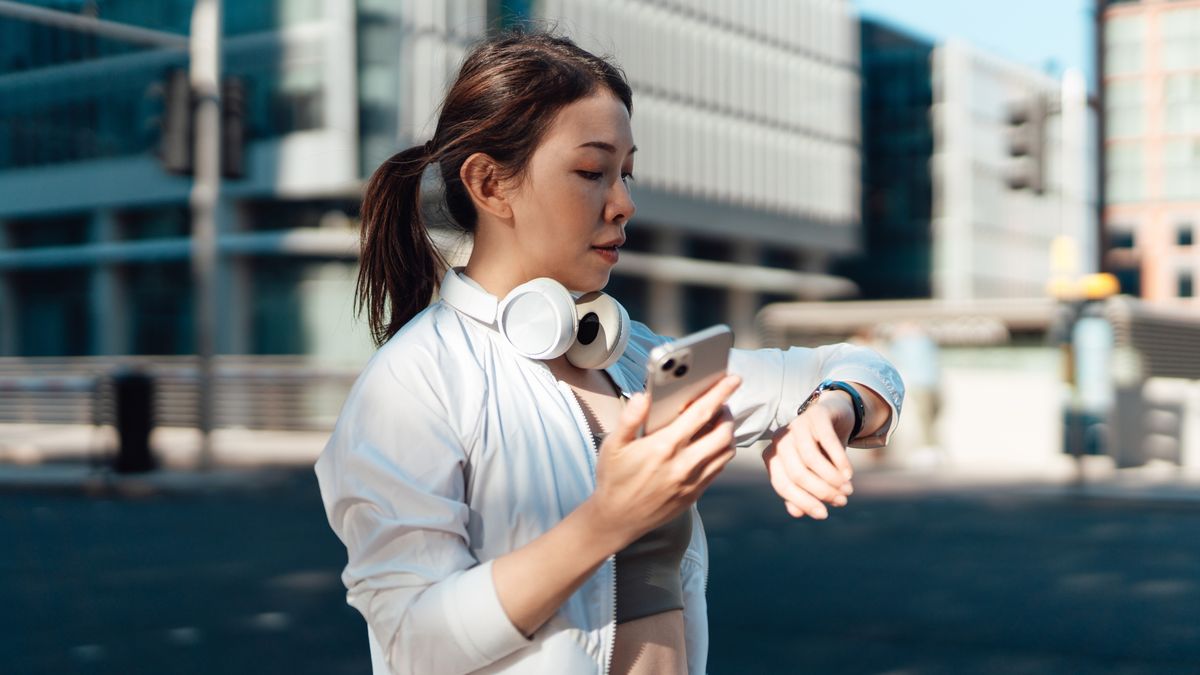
570,211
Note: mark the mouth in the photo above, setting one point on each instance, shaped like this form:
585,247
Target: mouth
609,252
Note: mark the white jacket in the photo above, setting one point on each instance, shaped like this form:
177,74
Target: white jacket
453,450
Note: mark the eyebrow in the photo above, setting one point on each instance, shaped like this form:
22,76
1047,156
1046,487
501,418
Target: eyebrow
609,147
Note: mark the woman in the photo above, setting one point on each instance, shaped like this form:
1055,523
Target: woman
488,527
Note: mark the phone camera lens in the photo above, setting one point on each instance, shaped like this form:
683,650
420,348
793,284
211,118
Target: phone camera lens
670,363
681,370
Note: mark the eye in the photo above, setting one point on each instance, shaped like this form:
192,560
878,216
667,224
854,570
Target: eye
627,177
591,175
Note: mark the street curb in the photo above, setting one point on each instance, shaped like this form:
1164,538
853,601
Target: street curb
75,478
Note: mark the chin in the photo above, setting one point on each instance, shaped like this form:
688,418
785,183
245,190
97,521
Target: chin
583,278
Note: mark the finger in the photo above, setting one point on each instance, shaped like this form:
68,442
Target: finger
797,452
832,445
700,411
713,469
704,448
819,463
793,510
632,418
796,496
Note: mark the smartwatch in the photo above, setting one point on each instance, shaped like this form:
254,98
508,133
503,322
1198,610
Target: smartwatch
860,410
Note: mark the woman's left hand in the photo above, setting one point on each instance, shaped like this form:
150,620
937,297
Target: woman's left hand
807,460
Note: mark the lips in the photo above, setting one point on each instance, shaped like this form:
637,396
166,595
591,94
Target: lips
609,253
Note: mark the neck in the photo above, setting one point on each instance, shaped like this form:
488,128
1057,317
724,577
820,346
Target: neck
494,263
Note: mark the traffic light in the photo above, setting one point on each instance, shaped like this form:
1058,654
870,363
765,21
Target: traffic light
233,127
1027,143
177,135
175,141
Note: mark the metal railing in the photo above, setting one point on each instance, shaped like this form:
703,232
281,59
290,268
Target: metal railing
253,392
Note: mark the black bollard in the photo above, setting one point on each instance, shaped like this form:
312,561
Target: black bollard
134,394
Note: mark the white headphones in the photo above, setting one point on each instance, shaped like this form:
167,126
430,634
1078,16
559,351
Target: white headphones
542,320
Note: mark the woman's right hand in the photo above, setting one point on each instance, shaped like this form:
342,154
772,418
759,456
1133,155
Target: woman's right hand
642,483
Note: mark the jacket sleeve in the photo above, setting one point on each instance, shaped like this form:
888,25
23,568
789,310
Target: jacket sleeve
393,484
775,382
693,570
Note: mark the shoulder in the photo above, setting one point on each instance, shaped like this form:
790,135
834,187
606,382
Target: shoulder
431,364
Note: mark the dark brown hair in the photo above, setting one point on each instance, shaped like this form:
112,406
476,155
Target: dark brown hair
505,97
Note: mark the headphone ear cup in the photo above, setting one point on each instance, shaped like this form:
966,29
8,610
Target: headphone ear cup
538,319
603,333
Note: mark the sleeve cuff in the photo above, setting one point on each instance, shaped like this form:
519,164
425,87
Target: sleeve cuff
891,392
476,617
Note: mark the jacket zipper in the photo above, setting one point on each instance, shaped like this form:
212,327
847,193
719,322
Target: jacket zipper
577,410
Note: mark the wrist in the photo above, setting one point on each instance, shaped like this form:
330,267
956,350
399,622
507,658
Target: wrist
605,531
833,389
840,407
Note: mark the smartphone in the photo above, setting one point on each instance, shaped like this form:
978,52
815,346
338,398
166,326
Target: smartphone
678,372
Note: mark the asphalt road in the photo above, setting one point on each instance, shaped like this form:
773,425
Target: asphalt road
245,580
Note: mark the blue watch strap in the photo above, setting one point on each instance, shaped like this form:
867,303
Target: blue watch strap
860,409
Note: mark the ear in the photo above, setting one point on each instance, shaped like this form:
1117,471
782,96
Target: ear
480,174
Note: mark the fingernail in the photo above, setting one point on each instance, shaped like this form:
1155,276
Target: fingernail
848,474
820,512
847,489
840,500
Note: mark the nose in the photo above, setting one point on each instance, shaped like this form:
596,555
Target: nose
619,207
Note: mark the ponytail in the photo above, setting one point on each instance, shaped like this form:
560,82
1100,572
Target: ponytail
399,265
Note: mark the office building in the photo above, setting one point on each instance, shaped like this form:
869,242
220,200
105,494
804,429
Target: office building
948,211
1151,92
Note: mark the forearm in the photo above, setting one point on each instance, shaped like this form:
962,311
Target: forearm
533,581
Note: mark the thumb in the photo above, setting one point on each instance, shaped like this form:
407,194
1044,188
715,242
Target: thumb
632,419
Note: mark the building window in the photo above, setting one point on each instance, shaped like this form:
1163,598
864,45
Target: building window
1183,234
38,232
277,306
160,223
1185,285
1130,280
1120,239
160,308
632,292
704,306
53,317
707,248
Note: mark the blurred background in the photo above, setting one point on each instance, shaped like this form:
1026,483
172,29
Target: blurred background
1000,197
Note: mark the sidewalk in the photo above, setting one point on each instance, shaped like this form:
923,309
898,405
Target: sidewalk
1055,476
78,457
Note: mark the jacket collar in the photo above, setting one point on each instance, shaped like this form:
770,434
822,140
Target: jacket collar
467,296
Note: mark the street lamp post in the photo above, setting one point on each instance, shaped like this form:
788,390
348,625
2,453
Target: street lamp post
205,75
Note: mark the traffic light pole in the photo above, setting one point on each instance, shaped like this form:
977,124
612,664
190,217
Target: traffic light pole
204,46
205,74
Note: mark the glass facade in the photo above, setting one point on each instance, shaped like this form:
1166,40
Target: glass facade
67,96
897,96
704,306
633,293
53,317
1125,108
276,309
69,230
1125,172
379,37
160,307
1124,39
